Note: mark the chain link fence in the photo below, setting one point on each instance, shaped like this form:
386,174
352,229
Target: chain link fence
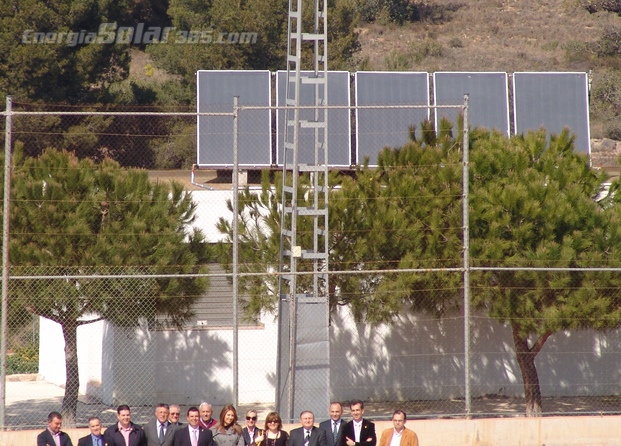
127,351
417,363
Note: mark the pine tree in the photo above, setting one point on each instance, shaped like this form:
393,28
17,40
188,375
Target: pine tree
73,217
533,206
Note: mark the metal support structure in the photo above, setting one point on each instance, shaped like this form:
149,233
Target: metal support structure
235,241
299,252
6,212
466,255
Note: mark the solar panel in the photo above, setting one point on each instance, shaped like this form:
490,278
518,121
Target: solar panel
488,103
381,127
553,101
216,90
339,123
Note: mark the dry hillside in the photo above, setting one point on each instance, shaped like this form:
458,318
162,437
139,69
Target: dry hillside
487,35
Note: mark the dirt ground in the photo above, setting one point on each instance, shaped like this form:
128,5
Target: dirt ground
29,402
496,407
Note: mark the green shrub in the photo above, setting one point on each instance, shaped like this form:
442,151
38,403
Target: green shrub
550,45
606,93
23,360
426,48
401,11
609,44
594,6
613,131
397,61
577,52
456,42
604,52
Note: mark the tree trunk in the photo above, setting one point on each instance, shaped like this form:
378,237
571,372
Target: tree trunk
526,360
72,384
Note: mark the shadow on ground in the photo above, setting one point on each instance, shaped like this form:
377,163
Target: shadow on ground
29,402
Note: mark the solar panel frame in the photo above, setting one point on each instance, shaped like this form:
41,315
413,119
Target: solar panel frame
215,133
339,126
537,110
389,127
488,105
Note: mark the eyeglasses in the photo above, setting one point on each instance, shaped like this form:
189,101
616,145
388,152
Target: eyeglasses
272,422
251,418
173,414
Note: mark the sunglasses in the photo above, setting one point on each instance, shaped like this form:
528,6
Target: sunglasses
172,414
272,421
251,418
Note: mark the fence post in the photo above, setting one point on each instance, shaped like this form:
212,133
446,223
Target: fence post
5,255
235,250
466,264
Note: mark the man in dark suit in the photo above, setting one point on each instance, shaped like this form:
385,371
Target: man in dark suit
308,434
334,426
159,431
358,432
251,431
49,436
94,438
193,434
173,415
117,434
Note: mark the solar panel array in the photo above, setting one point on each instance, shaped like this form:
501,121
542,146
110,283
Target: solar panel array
549,100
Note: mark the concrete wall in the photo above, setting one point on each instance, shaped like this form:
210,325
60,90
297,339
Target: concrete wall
90,355
548,431
142,366
420,357
129,361
197,365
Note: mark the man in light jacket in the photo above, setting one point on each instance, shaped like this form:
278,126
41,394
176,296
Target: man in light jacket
399,435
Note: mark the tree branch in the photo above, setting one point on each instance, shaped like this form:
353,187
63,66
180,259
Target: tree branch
536,348
90,321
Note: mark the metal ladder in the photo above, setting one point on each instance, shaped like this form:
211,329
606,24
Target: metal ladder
304,188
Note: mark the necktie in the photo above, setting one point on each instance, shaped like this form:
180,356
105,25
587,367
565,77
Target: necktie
161,436
335,431
195,437
307,438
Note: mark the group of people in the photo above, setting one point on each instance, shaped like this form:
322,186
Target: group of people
202,429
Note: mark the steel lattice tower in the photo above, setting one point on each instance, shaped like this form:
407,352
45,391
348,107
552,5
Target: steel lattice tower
303,382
